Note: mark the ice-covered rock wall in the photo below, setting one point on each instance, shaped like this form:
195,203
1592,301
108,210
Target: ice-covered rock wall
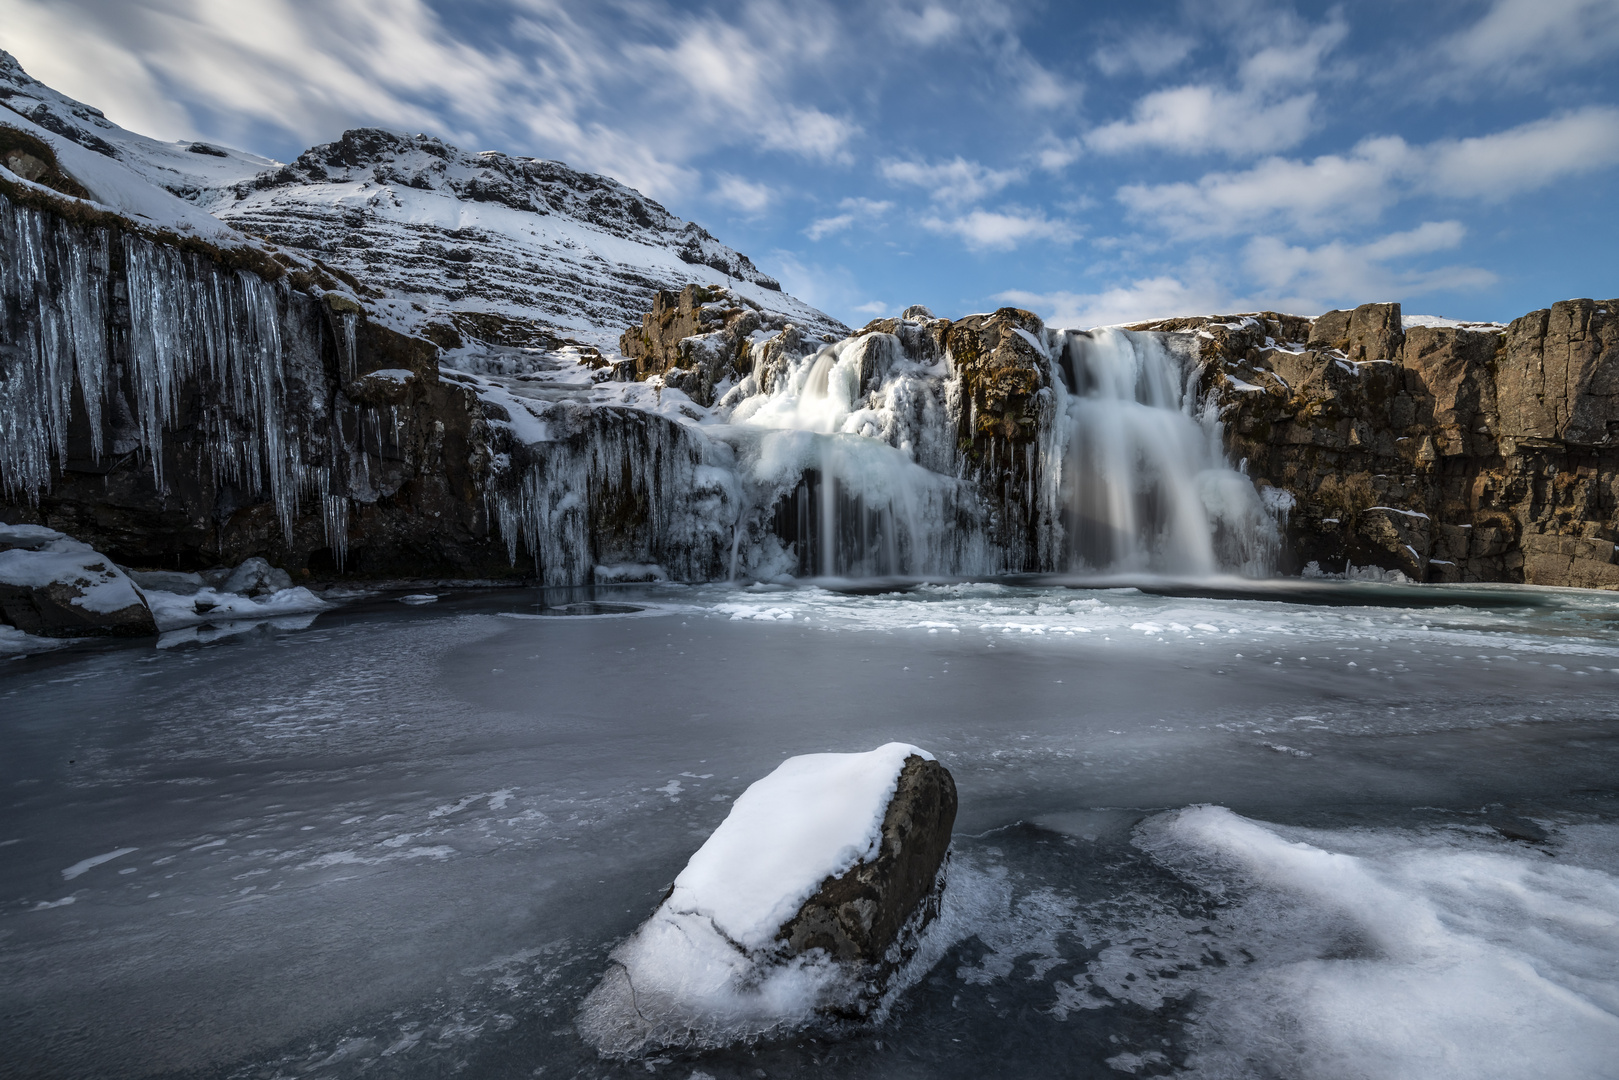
181,414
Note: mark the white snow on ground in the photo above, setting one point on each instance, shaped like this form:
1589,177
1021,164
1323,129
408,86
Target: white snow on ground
703,970
1408,321
135,178
1415,956
1102,617
14,642
172,611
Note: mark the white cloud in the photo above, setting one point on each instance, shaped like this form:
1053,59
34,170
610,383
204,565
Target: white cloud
987,30
1521,41
630,88
952,182
1204,119
1332,190
1526,157
1310,279
745,195
821,228
1310,195
1151,53
1146,298
854,210
741,73
876,309
1270,108
1001,230
1055,155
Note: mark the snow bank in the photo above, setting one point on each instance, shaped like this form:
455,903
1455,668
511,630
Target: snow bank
706,968
171,611
14,642
1383,953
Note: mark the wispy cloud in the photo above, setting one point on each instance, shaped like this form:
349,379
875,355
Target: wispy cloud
951,182
1001,230
1309,279
1269,108
854,210
1203,119
1144,298
1333,190
1143,52
743,194
1521,42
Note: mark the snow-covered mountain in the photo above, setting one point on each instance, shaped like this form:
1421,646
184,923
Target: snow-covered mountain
490,246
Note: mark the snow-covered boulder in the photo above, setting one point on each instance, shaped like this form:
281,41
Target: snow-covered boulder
802,902
59,587
256,577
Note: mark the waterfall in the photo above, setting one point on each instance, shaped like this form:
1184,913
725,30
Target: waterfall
1145,484
852,451
850,456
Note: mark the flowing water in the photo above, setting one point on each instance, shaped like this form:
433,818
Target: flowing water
1299,831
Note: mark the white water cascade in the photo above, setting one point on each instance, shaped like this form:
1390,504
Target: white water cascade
854,450
1146,487
850,459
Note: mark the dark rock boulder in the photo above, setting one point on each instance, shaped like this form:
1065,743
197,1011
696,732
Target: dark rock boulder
68,590
860,914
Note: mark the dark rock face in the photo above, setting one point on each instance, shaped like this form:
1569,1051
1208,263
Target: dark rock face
197,453
860,914
1447,453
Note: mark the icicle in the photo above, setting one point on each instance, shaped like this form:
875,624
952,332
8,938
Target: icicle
53,316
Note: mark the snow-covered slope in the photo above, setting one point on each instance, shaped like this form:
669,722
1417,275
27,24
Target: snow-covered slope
458,232
139,178
433,233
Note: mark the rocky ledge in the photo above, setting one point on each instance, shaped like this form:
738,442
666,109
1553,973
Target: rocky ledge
1450,452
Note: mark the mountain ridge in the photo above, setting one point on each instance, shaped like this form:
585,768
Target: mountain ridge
535,244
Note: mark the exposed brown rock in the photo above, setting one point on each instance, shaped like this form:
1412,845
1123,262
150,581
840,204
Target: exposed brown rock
860,914
1448,453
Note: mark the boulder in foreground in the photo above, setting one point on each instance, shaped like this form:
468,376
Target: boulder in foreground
804,901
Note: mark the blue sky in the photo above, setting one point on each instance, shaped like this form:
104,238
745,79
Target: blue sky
1095,162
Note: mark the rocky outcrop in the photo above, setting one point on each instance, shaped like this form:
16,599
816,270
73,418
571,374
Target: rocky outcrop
1448,453
706,339
859,914
54,586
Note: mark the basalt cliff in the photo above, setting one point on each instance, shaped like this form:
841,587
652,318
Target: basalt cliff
1446,452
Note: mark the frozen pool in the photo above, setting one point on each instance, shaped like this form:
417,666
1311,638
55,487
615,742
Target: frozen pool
1222,836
